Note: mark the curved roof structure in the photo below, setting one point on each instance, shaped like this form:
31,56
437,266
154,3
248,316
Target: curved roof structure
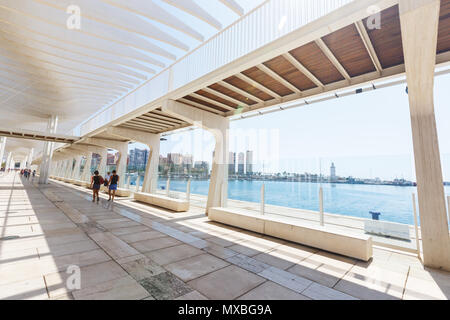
73,58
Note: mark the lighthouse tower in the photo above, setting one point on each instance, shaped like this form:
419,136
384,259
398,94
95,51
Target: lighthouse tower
333,173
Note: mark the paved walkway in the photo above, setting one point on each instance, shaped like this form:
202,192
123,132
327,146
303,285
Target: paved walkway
128,250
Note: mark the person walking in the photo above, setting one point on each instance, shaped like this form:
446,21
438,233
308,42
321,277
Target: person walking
96,182
113,182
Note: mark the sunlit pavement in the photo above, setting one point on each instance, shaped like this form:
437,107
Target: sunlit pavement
128,250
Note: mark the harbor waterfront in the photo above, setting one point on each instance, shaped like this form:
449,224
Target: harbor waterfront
393,202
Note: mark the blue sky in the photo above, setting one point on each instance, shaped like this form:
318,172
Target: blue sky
366,135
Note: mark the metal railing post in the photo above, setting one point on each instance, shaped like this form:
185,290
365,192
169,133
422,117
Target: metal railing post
416,227
168,187
263,200
321,206
188,190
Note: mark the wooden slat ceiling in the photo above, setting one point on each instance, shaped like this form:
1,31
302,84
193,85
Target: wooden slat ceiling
337,58
155,121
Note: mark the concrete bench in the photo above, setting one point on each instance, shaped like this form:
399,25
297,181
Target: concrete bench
326,238
387,229
176,205
80,183
120,192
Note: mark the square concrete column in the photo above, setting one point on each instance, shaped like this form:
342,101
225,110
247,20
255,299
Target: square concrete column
47,153
122,163
8,161
219,127
419,23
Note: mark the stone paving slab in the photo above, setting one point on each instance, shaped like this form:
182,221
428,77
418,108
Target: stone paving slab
128,250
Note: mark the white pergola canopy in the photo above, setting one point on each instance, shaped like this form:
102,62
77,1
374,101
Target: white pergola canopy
49,66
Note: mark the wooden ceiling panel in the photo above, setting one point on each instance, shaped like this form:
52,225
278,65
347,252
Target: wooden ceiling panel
235,81
216,98
210,105
348,47
387,40
312,57
232,94
444,27
290,73
267,81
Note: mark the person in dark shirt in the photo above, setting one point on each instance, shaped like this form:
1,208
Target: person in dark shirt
113,182
96,182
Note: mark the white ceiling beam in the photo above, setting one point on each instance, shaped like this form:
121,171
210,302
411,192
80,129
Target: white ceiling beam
154,12
189,6
149,122
63,34
57,16
225,97
214,102
329,54
20,37
369,46
201,106
278,78
233,5
155,115
122,19
258,85
147,117
240,91
50,60
54,72
300,67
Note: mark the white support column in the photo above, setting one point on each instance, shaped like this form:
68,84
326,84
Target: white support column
102,166
76,170
419,46
8,161
30,158
153,142
47,153
2,151
87,168
219,127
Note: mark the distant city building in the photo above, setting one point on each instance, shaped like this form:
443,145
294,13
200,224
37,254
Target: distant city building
138,158
232,163
175,159
249,162
202,168
333,177
112,159
188,161
241,163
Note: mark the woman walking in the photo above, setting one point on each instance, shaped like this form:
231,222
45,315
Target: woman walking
96,182
113,182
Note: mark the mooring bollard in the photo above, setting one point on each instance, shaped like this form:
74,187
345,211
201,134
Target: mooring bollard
416,227
321,206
